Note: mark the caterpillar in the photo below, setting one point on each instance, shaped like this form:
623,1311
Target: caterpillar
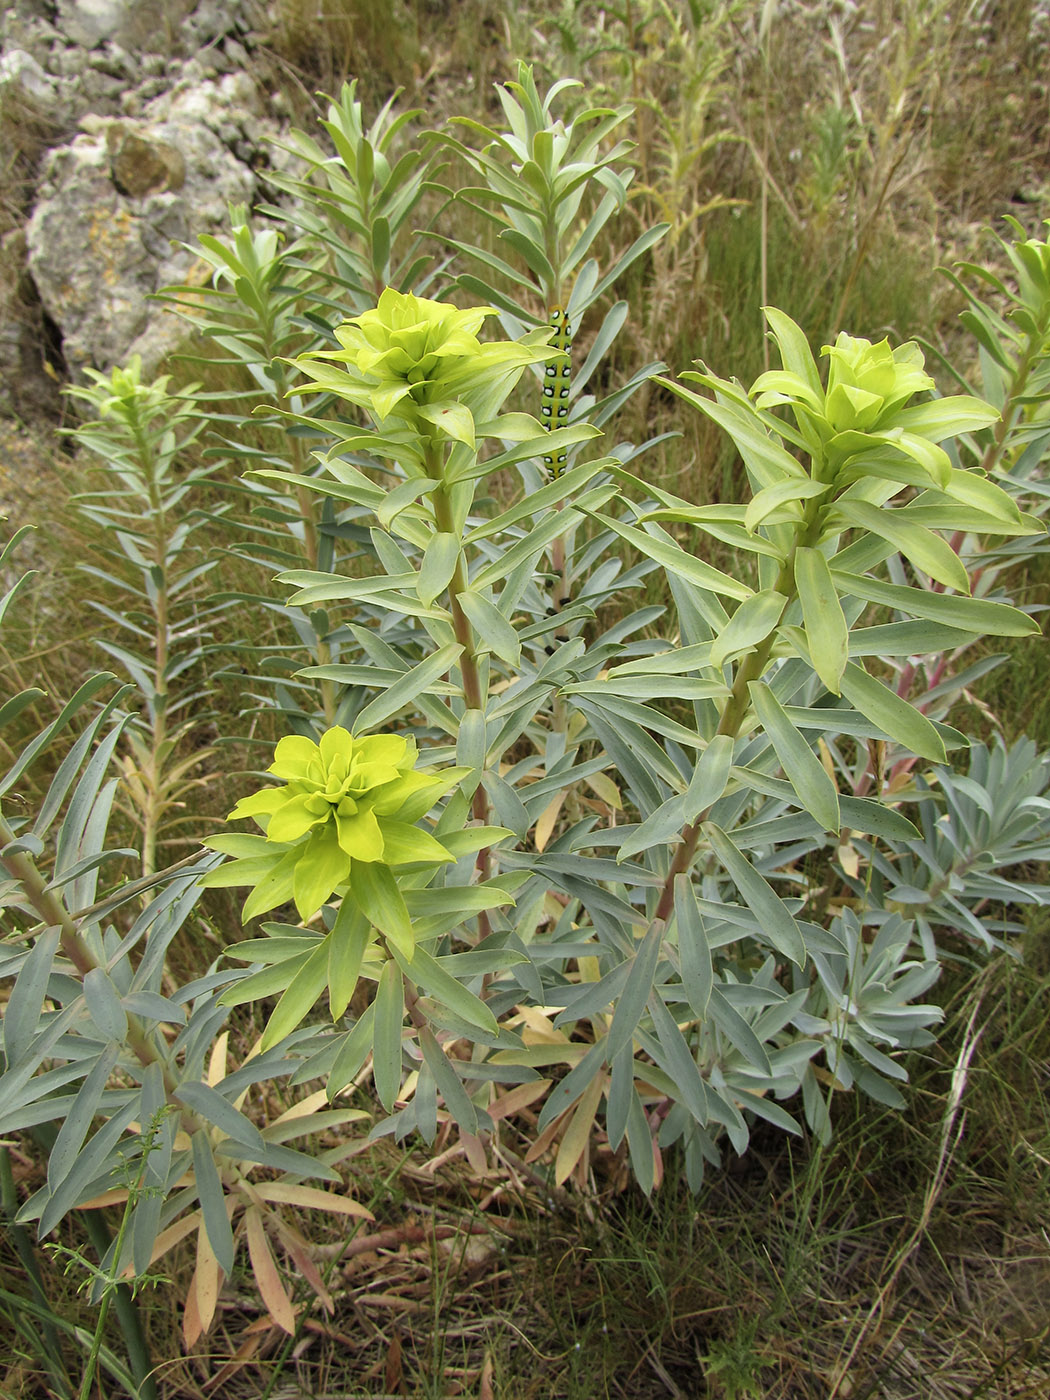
554,410
557,378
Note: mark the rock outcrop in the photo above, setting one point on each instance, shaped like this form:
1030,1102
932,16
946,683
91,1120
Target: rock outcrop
116,204
132,126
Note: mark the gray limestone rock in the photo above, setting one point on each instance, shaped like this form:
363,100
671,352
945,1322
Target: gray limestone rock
165,145
133,24
111,203
88,22
23,80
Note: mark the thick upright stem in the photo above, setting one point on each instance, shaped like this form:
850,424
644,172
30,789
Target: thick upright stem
749,669
312,542
154,780
468,662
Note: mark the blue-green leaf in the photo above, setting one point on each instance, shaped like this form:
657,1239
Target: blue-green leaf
778,926
694,950
635,994
804,770
213,1202
386,1047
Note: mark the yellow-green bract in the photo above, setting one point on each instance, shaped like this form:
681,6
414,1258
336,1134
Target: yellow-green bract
420,363
344,800
863,424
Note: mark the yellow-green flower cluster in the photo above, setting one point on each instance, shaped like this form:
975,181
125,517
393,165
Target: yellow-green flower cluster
864,422
868,383
420,363
343,800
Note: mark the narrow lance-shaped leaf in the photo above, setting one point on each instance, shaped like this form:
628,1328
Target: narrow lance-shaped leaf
640,1144
439,564
386,1048
266,1273
826,630
428,973
213,1202
677,1060
212,1105
494,632
80,1116
659,547
352,1053
752,623
925,549
373,887
103,1004
733,1026
694,950
778,925
86,1168
448,1082
26,999
781,493
299,998
578,1134
403,692
794,349
803,769
968,614
705,788
635,994
621,1087
897,718
347,945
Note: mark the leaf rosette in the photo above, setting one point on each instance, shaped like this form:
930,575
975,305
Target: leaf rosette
345,801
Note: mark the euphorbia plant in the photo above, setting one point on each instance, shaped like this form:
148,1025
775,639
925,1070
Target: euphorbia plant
630,942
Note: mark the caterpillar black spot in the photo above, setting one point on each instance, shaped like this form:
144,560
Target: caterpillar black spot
557,380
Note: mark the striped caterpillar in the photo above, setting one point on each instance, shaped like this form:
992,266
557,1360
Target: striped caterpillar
554,409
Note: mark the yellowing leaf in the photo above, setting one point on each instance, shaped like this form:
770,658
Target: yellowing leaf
217,1060
538,1027
191,1323
271,1289
578,1134
207,1280
550,1132
311,1198
548,818
474,1152
606,789
849,860
300,1255
116,1197
308,1105
517,1099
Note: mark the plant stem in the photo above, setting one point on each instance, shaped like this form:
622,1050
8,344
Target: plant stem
153,780
749,669
468,662
312,543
